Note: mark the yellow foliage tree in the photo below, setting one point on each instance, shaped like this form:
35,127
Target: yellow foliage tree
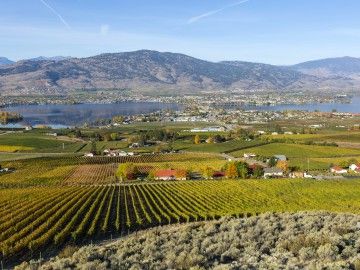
283,165
197,139
231,171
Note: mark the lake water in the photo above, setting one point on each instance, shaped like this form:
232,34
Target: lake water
60,116
353,107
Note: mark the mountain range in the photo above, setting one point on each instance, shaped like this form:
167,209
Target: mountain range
148,71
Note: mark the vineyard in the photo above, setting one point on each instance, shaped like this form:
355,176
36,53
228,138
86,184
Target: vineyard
66,170
34,219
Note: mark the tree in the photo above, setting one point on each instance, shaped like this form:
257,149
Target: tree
114,136
272,161
78,133
197,139
181,174
258,171
127,171
119,119
107,137
93,147
243,169
207,172
231,171
210,139
282,164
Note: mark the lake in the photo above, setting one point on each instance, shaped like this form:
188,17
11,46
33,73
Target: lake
353,107
60,116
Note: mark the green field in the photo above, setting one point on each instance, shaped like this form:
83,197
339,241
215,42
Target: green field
34,142
299,151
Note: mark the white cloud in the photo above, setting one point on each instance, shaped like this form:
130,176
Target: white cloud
213,12
104,29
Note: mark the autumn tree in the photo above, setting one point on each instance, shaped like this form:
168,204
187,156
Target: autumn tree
197,139
283,165
231,170
181,174
127,171
207,172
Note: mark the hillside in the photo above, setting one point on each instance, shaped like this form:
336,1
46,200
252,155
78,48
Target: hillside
305,240
342,66
148,71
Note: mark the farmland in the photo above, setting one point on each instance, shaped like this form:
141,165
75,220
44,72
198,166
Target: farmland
55,196
33,219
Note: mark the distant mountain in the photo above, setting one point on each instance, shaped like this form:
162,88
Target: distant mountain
5,61
342,66
155,72
52,58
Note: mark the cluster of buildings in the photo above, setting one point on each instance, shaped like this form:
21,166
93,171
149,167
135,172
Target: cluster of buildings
353,168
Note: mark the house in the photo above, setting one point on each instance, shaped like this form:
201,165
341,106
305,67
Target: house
280,157
296,175
249,155
288,133
218,174
134,145
115,153
338,170
88,155
273,172
354,167
170,174
308,176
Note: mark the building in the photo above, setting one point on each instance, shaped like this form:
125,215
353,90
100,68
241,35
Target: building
354,168
249,155
88,155
170,174
280,157
296,175
273,172
338,170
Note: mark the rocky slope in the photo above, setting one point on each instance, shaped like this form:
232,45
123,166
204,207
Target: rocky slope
313,240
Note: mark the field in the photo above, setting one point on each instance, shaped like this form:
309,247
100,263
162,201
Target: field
31,142
32,220
70,170
53,196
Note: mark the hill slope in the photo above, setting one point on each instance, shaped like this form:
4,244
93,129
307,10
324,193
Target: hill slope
342,66
149,71
270,241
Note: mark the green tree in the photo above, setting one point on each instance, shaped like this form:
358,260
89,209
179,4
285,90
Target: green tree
272,162
243,169
114,136
93,147
258,172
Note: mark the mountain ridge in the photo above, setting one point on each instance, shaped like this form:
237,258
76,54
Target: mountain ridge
146,71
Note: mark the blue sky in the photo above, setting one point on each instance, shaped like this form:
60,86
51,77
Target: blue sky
269,31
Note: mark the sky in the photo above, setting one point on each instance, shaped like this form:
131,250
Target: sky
281,32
